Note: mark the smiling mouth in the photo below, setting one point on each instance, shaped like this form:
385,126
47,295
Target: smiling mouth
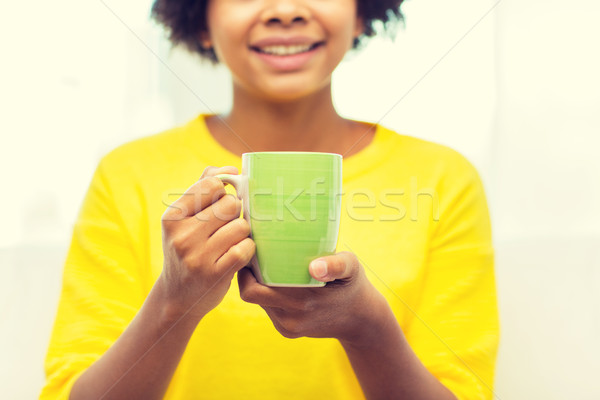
287,50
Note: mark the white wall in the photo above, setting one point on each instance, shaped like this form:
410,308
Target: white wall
516,95
545,196
547,119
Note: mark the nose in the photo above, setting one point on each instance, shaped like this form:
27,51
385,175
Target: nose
285,13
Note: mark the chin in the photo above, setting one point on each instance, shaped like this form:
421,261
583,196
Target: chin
287,96
291,92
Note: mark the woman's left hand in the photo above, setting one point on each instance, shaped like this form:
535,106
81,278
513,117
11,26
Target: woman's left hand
348,308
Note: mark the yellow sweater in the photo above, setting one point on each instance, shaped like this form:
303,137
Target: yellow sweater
414,213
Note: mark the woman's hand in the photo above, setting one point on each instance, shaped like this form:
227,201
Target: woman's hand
348,308
204,244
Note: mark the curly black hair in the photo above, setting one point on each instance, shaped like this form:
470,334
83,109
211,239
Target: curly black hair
184,20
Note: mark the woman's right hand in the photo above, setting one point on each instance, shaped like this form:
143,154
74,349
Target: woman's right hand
204,244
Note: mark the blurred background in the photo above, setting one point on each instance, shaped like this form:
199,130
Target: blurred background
513,85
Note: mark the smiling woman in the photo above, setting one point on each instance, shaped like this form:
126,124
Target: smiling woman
184,20
256,43
407,309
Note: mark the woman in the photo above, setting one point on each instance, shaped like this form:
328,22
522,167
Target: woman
147,309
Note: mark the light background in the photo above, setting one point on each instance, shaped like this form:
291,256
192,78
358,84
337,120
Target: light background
516,90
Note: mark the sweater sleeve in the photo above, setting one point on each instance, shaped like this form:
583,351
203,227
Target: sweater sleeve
454,329
101,287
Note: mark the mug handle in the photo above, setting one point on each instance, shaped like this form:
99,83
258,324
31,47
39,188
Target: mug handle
239,182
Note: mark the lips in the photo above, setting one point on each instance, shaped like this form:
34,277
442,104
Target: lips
283,50
285,46
287,54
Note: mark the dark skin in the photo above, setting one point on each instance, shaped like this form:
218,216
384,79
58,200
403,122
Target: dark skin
195,279
205,243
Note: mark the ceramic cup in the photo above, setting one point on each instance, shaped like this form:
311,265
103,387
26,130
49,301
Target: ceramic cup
292,201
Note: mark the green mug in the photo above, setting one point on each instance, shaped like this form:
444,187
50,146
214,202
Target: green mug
292,201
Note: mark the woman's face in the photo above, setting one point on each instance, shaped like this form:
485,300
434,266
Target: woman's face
282,49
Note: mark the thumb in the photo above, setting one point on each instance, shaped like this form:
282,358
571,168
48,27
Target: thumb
342,266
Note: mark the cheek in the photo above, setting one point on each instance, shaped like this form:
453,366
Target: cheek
229,46
228,28
341,27
342,42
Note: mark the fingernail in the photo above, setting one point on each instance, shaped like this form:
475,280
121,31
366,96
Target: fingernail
319,268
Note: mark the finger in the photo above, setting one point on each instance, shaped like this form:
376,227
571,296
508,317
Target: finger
214,171
199,196
251,291
287,324
229,235
194,235
246,277
237,257
223,211
342,265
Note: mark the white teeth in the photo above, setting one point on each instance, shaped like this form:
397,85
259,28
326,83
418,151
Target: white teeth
280,50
